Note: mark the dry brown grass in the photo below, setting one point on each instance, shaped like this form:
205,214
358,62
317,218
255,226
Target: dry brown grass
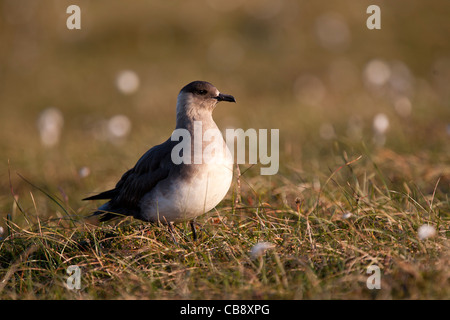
338,204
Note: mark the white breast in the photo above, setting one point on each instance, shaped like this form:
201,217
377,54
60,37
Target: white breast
184,199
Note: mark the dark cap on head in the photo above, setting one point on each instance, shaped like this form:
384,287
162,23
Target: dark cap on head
196,86
206,89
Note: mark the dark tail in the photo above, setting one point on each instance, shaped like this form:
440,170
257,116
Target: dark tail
108,212
103,195
103,215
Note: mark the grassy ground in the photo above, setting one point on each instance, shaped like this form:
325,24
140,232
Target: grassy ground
346,197
324,238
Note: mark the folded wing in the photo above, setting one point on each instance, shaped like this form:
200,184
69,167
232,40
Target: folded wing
154,166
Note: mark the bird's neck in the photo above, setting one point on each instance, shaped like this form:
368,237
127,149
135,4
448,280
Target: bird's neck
199,123
187,117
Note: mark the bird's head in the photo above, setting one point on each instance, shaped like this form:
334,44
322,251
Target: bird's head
201,94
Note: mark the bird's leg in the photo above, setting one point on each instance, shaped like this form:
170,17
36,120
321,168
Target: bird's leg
194,233
172,232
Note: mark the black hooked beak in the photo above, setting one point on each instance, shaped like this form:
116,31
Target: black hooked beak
225,97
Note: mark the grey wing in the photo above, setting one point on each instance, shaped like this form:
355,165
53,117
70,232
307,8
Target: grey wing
153,167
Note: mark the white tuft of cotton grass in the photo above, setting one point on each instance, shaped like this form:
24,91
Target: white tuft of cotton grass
50,124
380,123
426,231
84,172
119,126
377,72
260,248
127,82
347,215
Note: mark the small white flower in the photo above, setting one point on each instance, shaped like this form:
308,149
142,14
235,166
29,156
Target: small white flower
260,248
426,231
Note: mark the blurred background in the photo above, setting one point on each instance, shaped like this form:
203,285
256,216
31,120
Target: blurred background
79,107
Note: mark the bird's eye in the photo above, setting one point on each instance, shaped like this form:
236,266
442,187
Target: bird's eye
202,92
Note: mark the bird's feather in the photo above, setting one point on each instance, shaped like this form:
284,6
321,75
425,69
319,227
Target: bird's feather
153,167
157,179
